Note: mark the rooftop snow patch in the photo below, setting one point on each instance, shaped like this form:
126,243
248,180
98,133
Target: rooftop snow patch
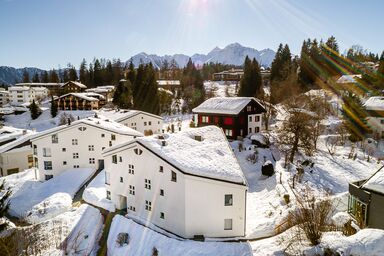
376,182
211,157
224,105
375,103
101,123
347,79
122,114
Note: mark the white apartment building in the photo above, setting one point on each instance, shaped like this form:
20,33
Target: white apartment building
188,183
4,97
77,145
140,121
16,156
23,94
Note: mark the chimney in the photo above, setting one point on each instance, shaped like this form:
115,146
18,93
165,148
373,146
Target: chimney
24,132
163,143
69,121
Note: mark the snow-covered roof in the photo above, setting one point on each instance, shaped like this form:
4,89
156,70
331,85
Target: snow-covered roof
39,84
101,123
22,139
39,88
8,133
374,103
346,79
211,157
123,114
18,88
168,82
89,96
224,105
75,83
375,182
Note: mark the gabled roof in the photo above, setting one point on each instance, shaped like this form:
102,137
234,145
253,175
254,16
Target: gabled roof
18,88
225,105
123,114
375,182
11,133
75,83
375,103
99,123
89,96
347,79
211,158
21,140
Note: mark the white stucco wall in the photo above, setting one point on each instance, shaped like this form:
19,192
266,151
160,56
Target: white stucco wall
253,124
377,127
140,122
17,158
91,136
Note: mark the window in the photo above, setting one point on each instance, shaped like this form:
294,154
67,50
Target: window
47,165
250,130
120,159
228,120
162,192
75,155
35,150
102,135
147,184
82,128
91,160
161,169
358,209
149,123
145,123
250,118
228,132
173,176
228,200
205,119
107,178
109,195
257,118
249,108
91,148
131,190
113,137
55,138
76,166
257,129
48,176
121,180
74,141
148,205
64,150
216,119
382,121
227,224
110,143
131,169
162,215
138,151
46,152
114,159
64,162
132,208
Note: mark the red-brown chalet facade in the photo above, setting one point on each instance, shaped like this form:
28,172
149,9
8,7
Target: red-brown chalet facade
237,116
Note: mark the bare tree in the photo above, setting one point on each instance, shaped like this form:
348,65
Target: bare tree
270,110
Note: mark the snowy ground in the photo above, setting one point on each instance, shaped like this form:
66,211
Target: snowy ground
96,193
142,241
37,201
44,121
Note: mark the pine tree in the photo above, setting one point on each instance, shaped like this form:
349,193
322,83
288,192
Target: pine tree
83,72
4,205
53,77
332,44
26,76
123,95
53,107
72,73
97,73
65,76
251,83
45,77
35,110
36,78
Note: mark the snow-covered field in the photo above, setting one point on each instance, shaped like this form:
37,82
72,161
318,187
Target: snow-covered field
142,241
96,193
37,201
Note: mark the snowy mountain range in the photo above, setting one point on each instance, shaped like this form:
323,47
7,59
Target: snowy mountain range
231,54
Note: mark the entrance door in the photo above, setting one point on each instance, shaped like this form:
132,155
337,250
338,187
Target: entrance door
101,164
122,202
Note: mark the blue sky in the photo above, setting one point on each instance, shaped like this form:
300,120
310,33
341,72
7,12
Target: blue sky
50,33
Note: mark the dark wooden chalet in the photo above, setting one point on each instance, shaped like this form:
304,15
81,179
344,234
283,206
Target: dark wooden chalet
366,201
237,116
